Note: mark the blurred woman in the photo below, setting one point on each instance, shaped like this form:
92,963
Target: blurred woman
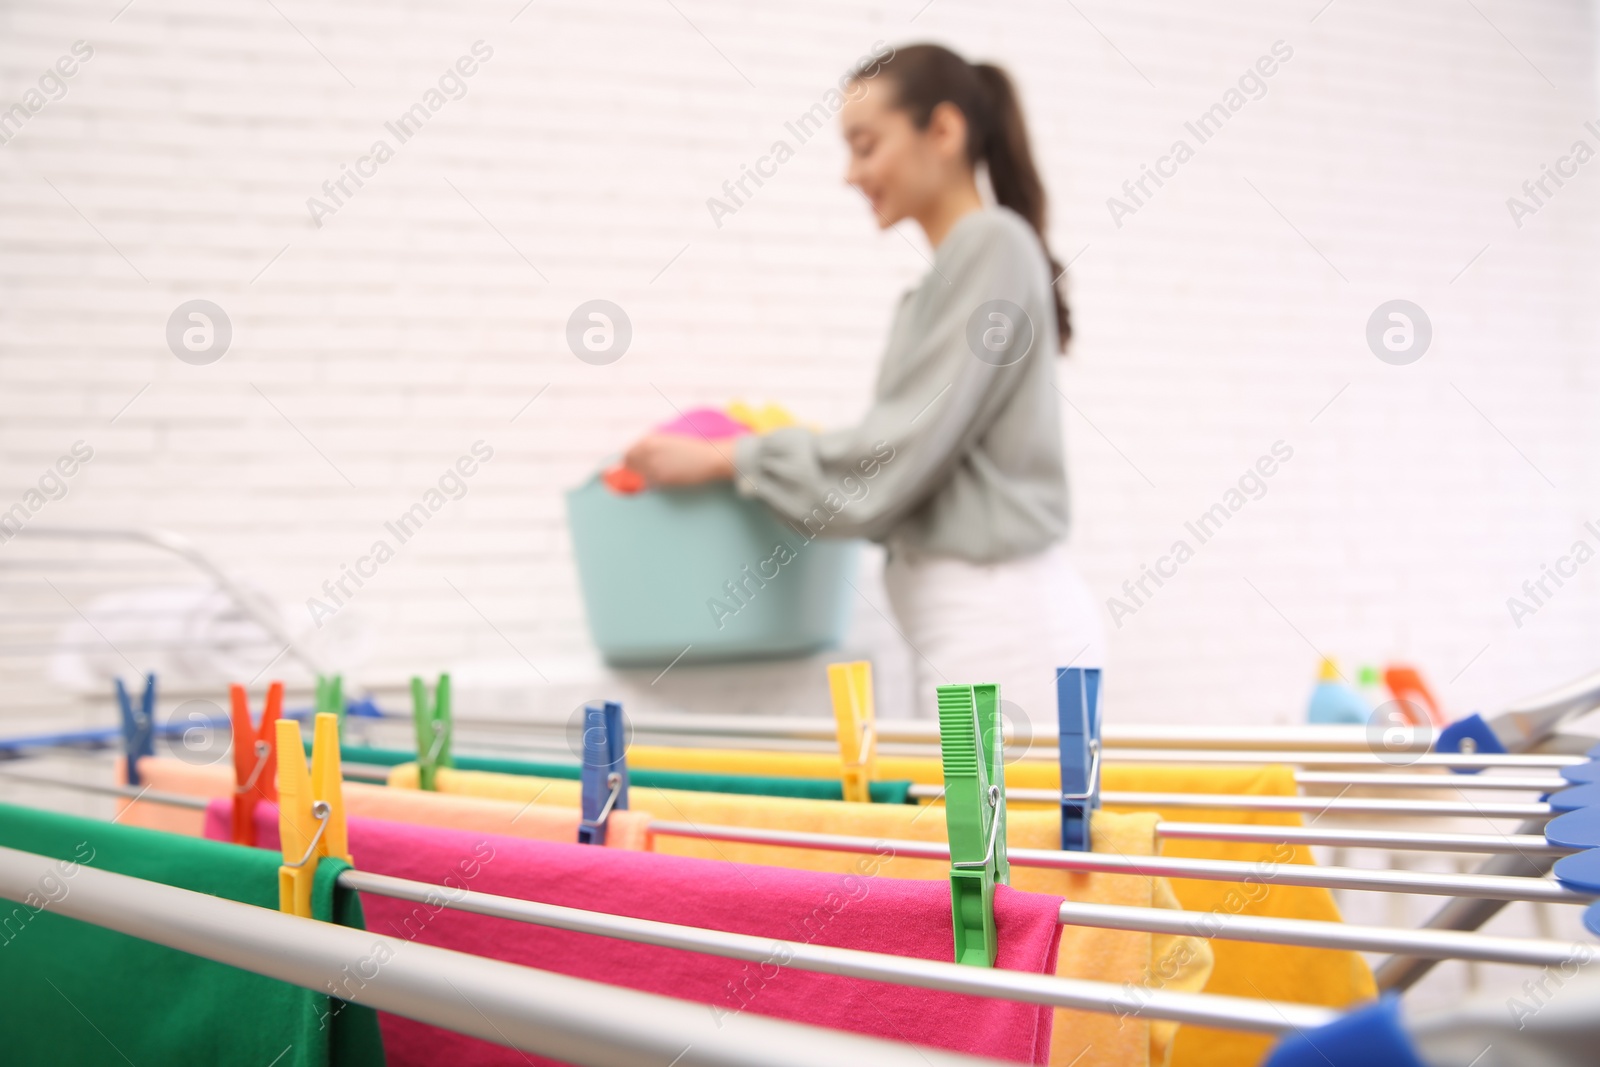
957,467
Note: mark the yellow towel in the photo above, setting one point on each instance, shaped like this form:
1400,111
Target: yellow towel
1319,976
1087,1039
627,829
924,770
1324,977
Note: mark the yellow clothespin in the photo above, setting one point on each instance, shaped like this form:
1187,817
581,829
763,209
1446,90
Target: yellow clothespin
310,809
850,685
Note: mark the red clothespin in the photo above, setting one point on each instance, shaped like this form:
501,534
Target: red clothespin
255,759
1416,700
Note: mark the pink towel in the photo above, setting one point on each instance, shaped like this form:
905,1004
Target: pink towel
704,422
899,916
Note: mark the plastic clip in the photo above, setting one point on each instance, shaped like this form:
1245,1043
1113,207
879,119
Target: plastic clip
1078,706
605,770
1469,736
434,727
850,685
255,759
1374,1033
975,814
311,821
138,725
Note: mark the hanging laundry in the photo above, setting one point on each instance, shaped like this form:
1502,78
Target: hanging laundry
755,761
906,918
898,792
629,829
1325,977
77,993
1124,958
1139,961
173,776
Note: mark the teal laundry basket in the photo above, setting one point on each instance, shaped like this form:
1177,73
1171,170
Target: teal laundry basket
707,570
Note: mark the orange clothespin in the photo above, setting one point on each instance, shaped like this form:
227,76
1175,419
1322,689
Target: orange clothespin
255,759
310,809
850,685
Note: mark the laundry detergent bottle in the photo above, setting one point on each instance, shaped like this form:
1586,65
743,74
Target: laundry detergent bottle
1334,702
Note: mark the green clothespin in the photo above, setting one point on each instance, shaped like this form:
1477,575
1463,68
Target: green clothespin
994,744
975,814
330,699
434,727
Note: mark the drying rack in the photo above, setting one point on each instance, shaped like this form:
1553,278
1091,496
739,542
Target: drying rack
105,597
554,1016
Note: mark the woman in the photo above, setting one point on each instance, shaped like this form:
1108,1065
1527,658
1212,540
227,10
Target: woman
967,485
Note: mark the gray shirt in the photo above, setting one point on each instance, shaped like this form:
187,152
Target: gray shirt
960,454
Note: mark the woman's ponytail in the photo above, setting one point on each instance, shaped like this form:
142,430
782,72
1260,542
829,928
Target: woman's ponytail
1012,173
926,75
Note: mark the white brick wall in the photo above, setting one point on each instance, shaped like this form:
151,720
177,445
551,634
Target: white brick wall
405,328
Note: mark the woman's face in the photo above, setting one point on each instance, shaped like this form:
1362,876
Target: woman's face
900,169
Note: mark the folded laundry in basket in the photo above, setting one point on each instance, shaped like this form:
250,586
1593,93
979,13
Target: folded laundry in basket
1125,958
712,423
764,419
76,993
628,829
906,918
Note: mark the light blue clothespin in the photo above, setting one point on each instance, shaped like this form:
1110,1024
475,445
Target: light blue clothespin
605,770
138,725
1078,705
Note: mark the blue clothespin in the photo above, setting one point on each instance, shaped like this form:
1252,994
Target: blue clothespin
1470,735
1373,1033
138,726
605,770
1078,705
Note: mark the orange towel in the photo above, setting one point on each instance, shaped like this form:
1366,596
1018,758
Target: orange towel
628,829
1087,1039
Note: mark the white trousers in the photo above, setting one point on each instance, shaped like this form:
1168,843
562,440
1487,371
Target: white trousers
1013,623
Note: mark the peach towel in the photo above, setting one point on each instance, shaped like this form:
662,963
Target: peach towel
628,829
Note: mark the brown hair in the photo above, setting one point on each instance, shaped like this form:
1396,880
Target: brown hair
927,75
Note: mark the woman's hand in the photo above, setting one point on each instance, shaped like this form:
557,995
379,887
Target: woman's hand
667,459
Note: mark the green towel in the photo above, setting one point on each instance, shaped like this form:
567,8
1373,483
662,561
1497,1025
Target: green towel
75,993
747,784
